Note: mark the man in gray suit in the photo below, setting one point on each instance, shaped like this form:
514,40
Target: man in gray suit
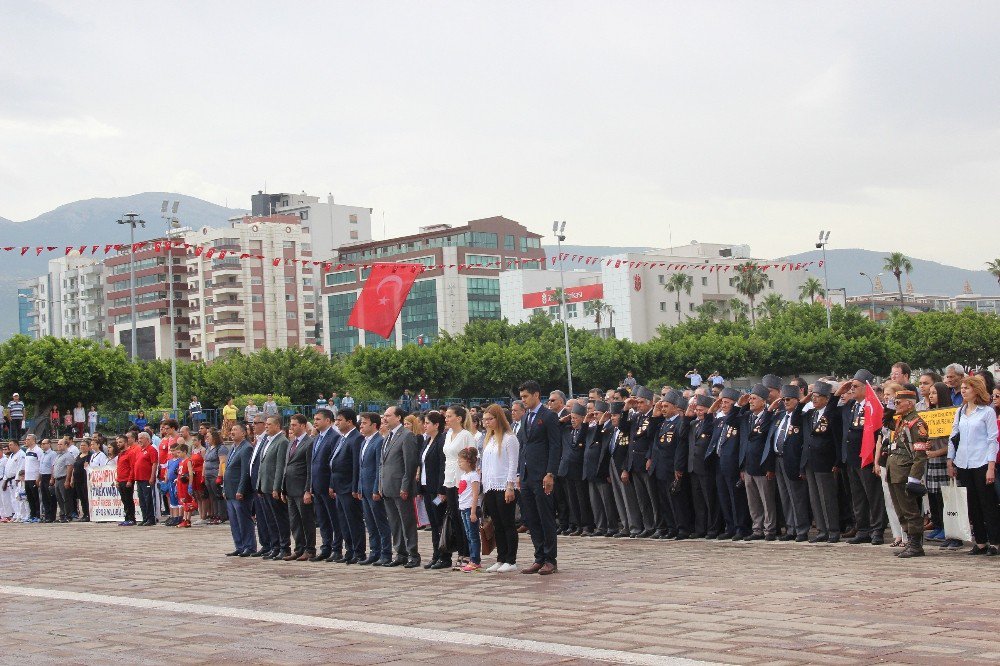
398,487
296,491
269,482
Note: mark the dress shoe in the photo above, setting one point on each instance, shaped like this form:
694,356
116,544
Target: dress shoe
786,537
372,559
698,535
382,563
756,536
335,557
819,538
291,556
428,565
304,557
769,537
351,560
319,557
576,532
623,534
646,534
260,553
246,553
547,568
398,562
609,533
681,535
725,536
235,553
739,536
412,563
441,564
850,533
590,533
801,538
522,529
712,535
659,534
834,538
533,569
859,538
877,541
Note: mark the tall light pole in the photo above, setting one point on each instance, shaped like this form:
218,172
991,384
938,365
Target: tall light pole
167,212
559,230
871,301
824,238
132,219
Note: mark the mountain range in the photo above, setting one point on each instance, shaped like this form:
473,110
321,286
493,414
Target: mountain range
93,221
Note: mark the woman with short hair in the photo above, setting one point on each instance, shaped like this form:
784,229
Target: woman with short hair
972,459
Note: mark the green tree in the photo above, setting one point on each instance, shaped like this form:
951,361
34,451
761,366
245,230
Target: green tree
993,267
738,309
898,263
677,283
772,306
750,282
711,311
810,289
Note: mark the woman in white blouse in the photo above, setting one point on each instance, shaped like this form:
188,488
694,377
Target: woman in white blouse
973,463
455,440
499,472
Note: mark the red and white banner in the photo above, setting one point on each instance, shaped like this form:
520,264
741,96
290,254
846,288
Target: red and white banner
539,299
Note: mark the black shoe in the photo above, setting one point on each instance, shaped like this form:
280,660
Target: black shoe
395,563
725,536
246,553
646,534
819,538
610,533
371,560
259,553
320,557
738,536
877,541
351,560
769,537
429,564
711,536
576,532
698,535
755,537
860,538
976,550
681,535
801,538
335,557
590,533
441,564
786,537
834,538
279,554
381,563
659,534
235,553
621,534
412,563
992,551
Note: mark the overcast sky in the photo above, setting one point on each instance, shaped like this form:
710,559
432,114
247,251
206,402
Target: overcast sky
755,122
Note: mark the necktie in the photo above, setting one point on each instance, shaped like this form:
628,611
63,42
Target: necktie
779,440
295,445
531,419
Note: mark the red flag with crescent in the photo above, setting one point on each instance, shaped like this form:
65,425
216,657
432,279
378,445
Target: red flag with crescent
382,298
873,424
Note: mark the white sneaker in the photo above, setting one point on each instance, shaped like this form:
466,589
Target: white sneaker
494,568
506,568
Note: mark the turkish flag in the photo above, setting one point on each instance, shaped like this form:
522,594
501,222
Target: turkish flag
873,424
383,296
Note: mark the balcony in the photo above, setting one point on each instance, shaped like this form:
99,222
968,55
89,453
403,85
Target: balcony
232,324
234,286
228,304
225,267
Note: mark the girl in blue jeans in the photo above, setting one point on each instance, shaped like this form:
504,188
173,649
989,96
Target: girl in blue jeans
468,504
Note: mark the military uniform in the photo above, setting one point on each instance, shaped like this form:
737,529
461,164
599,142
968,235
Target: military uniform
907,460
668,455
642,428
725,448
625,499
596,461
867,499
785,445
820,456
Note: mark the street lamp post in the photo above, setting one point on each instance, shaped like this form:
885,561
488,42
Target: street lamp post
871,300
559,230
132,219
824,238
167,212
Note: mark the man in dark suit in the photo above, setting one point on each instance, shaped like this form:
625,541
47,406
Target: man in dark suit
642,424
269,480
325,506
367,478
785,445
704,495
868,502
540,444
574,439
596,474
625,500
296,489
236,489
267,537
725,450
820,460
342,487
398,486
667,457
758,467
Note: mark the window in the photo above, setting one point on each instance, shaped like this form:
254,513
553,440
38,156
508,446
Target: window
419,315
352,218
484,310
704,282
288,245
341,277
588,308
770,284
303,215
535,265
571,310
691,306
354,235
482,239
484,287
343,339
485,260
508,242
305,230
289,298
663,279
677,306
663,306
256,298
289,279
307,282
307,247
291,315
256,281
256,245
530,243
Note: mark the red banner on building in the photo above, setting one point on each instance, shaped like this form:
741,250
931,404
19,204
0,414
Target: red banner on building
540,299
383,296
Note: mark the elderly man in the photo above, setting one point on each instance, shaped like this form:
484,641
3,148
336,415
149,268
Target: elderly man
144,470
953,376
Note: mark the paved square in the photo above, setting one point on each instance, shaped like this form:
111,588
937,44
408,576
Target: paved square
89,594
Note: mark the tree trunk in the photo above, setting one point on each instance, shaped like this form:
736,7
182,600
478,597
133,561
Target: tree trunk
899,283
753,317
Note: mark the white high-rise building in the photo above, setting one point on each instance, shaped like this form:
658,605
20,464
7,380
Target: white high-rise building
68,301
247,304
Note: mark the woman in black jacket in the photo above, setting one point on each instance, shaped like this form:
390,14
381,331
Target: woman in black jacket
430,475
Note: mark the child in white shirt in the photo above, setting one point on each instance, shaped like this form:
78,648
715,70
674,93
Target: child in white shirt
468,504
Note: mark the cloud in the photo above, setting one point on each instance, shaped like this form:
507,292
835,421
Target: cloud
86,127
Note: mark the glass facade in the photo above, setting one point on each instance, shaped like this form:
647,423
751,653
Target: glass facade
490,260
484,298
419,315
341,277
343,339
375,340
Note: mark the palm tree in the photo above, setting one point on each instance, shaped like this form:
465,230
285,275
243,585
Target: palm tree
738,309
898,263
679,282
810,289
994,268
597,307
710,310
772,305
750,281
610,310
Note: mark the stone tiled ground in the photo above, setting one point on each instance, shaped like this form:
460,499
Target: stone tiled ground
727,602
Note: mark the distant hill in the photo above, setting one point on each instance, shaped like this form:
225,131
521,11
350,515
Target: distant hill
928,277
90,222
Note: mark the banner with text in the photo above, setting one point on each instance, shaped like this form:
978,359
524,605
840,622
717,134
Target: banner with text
105,502
538,299
939,421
